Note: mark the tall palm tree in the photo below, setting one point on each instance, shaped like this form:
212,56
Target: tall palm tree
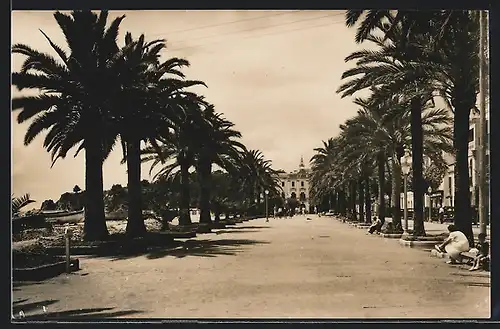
218,146
387,129
256,176
72,101
394,75
450,59
146,105
178,146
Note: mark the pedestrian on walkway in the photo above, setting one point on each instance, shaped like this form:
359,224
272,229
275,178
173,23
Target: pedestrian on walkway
441,214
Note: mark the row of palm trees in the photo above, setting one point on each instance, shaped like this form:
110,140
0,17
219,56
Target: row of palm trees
97,94
420,56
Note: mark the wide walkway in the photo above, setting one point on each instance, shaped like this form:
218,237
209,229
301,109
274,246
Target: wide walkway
285,268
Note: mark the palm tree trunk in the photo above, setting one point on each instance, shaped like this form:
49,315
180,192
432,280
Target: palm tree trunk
463,215
343,208
381,185
417,159
396,195
184,214
205,180
135,222
354,216
94,228
360,200
368,201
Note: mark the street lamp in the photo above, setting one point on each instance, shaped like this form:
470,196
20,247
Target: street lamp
267,214
429,191
405,168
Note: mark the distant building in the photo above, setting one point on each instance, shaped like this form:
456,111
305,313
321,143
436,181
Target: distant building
295,184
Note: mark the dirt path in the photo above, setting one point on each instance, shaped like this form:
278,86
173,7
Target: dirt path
285,268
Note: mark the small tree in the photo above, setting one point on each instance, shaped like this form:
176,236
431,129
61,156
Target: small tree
20,202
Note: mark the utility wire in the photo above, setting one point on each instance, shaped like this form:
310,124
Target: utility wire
257,36
226,23
262,28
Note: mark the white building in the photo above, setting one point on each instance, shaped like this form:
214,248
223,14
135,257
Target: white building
445,194
295,184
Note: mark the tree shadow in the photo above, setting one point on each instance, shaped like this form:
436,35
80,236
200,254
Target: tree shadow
477,284
248,227
17,284
197,248
84,313
235,231
28,307
19,301
472,274
206,248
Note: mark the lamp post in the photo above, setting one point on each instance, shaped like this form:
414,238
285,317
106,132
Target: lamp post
429,191
405,168
267,213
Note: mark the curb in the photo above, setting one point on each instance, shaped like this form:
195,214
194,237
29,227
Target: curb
390,235
421,244
44,272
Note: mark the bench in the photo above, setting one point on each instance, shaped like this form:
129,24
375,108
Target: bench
469,257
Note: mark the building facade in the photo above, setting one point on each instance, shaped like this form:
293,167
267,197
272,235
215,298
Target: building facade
296,184
445,194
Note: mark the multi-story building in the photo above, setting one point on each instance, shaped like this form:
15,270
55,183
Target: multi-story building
445,194
295,184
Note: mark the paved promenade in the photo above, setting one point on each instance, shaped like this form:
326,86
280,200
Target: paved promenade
285,268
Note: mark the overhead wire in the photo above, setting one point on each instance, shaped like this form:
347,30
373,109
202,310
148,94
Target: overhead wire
226,23
254,36
218,35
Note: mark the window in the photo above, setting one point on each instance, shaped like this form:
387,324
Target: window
450,187
293,184
471,135
302,184
282,183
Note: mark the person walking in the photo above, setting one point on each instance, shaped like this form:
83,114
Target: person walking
441,214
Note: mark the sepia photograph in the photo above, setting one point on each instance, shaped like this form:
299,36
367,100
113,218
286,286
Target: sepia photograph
250,164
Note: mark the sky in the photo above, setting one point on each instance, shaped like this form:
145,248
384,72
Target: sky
273,73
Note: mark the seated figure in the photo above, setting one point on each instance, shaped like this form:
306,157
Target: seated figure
454,245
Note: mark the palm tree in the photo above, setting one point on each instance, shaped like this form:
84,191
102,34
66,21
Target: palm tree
386,129
20,202
446,43
393,73
72,100
218,146
256,175
180,145
146,105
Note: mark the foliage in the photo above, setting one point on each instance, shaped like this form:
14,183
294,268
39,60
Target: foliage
18,203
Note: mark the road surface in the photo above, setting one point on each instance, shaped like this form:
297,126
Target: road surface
295,268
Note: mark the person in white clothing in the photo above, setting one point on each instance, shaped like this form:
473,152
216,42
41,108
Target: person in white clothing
441,214
455,244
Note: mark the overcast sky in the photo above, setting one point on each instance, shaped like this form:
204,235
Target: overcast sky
273,73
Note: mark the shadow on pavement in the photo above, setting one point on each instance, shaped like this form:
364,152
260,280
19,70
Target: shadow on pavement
199,248
28,307
84,313
248,227
477,284
18,284
205,248
235,231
